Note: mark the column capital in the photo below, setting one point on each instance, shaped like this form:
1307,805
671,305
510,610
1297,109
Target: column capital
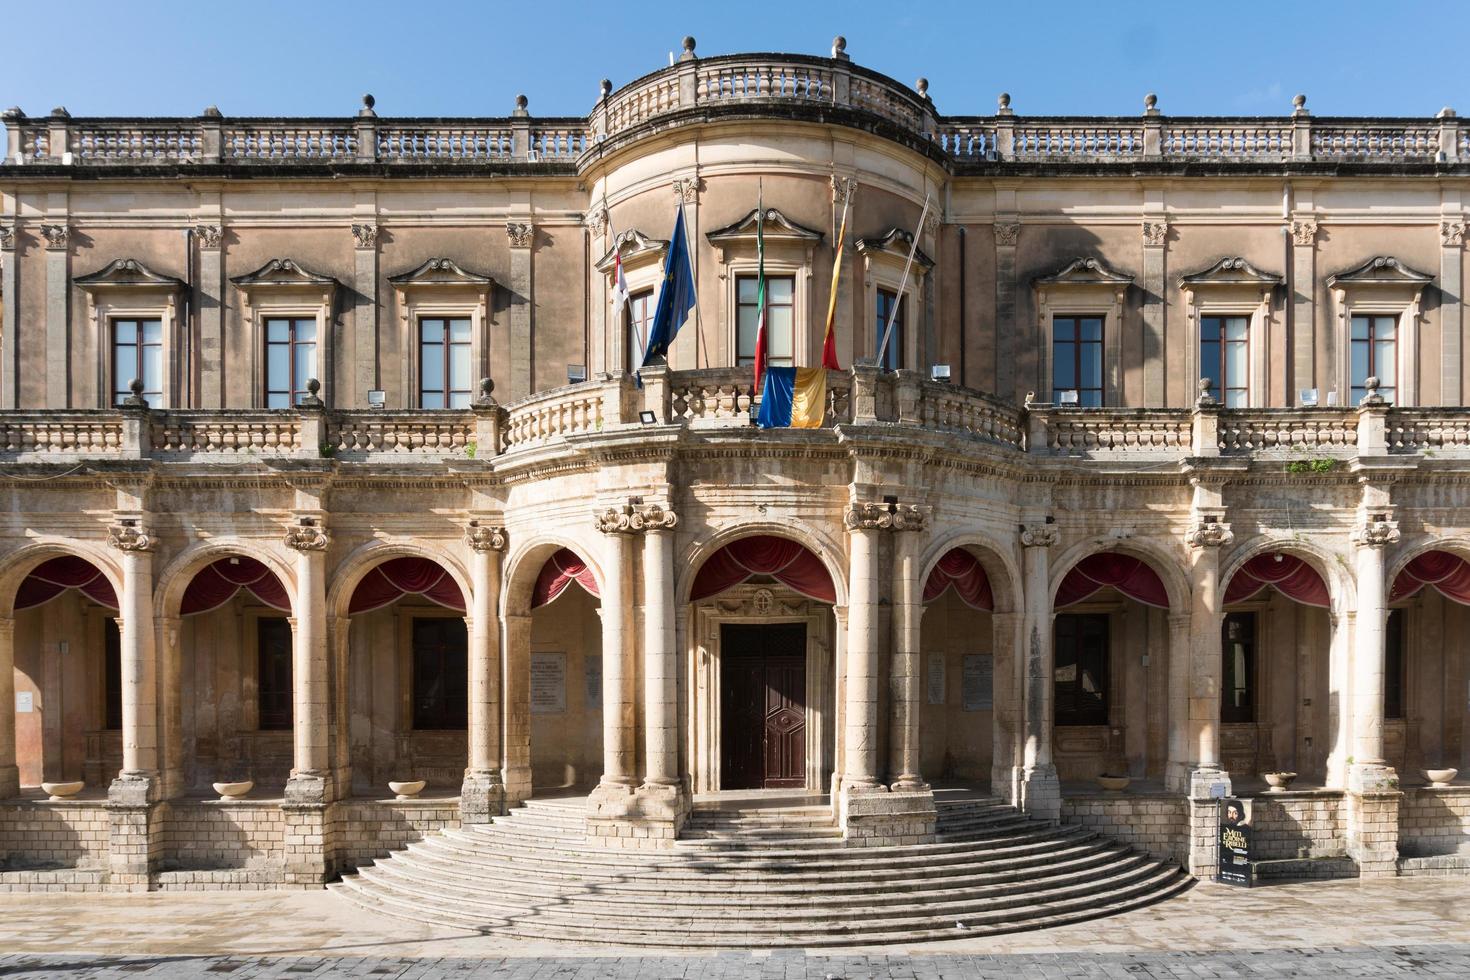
58,237
365,236
484,537
884,516
1304,232
128,534
1040,535
7,237
209,237
519,234
1155,234
1452,234
1376,531
307,535
1209,530
635,519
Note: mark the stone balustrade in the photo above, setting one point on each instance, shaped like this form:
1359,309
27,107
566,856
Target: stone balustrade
191,433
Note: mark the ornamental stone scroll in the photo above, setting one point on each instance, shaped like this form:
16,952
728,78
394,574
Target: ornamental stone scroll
1209,531
484,537
1040,535
883,516
307,536
129,535
635,519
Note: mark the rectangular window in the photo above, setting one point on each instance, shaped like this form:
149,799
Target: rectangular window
1238,640
290,359
440,682
273,673
1393,664
780,318
893,356
112,675
1375,355
637,318
137,353
1076,359
1224,358
1080,679
444,362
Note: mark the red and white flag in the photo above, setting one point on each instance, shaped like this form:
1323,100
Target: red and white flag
620,282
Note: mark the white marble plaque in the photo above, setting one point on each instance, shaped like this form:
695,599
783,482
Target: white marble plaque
548,683
978,680
25,701
935,677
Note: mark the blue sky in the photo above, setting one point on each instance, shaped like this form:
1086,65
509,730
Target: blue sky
306,57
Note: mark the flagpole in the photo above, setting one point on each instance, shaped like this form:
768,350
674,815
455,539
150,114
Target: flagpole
612,234
701,346
904,282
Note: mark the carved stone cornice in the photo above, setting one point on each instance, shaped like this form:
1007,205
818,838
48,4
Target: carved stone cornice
1376,531
1452,234
635,519
209,236
1040,535
1006,233
519,234
881,516
1209,531
58,237
365,235
484,537
307,537
1304,232
129,535
1155,234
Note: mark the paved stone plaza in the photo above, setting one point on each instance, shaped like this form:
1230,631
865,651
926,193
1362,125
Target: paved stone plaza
1341,929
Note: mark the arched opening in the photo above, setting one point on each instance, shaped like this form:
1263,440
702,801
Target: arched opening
408,677
68,675
1427,665
957,720
563,677
1110,693
1275,693
764,632
234,641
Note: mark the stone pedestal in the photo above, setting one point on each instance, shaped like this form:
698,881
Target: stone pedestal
649,816
481,796
1371,820
307,788
134,830
1207,786
875,817
307,846
1041,792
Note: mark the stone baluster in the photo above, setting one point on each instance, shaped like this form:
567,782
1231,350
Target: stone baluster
310,759
483,792
9,771
1041,794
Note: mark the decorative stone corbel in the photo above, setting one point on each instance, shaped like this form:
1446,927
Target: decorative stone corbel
128,534
307,535
1040,535
1209,531
484,537
1452,234
1006,233
884,516
1376,530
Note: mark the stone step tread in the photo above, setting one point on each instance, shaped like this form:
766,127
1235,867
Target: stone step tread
1161,886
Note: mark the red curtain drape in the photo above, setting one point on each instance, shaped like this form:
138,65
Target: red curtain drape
1287,574
960,570
405,576
217,583
1450,574
1130,576
55,575
561,570
764,554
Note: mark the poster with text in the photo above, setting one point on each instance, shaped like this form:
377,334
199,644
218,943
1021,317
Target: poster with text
1235,843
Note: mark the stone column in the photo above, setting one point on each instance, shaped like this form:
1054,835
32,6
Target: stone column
906,672
1303,311
171,694
521,236
660,655
310,759
1007,232
516,684
1155,260
58,319
617,679
1205,539
860,734
1451,311
483,793
1041,793
9,771
211,316
365,320
9,318
1176,771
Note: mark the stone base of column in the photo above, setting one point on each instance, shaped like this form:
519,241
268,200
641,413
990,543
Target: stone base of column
1177,776
9,782
1005,783
645,817
307,788
518,785
307,844
1372,819
481,796
874,816
1041,792
134,830
1205,786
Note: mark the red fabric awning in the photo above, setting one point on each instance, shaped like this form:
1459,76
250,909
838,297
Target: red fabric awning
1287,574
398,577
561,570
55,575
961,571
1130,576
764,554
1446,572
217,583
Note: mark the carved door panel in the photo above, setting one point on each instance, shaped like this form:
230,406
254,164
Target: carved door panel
785,722
763,706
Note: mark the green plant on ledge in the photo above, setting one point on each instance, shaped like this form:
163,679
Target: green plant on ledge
1311,466
328,450
470,448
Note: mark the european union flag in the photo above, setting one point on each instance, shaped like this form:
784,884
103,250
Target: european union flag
675,296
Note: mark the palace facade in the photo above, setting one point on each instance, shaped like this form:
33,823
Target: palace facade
325,467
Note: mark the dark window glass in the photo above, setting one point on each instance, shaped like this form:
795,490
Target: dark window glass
1081,670
290,359
638,317
440,681
893,356
1077,359
1375,355
1393,664
273,673
444,362
112,675
1224,358
137,353
780,318
1238,683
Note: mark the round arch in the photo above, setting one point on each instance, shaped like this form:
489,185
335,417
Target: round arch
174,580
23,560
809,537
524,564
1164,562
350,571
1341,588
1455,544
999,565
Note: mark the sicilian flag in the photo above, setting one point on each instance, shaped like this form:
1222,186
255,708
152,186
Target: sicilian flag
793,398
760,279
675,296
829,342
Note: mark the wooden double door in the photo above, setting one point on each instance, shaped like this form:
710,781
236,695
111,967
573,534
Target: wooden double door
763,706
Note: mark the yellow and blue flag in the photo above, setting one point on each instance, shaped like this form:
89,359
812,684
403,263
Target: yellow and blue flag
793,398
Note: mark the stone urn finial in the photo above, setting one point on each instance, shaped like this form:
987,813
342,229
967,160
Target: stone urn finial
1205,399
1299,105
1003,104
606,87
136,399
1150,103
839,48
367,105
688,54
312,400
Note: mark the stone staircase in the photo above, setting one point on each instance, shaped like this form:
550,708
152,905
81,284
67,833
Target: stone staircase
760,876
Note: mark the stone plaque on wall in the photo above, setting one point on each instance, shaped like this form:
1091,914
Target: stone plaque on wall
976,684
592,675
548,683
935,677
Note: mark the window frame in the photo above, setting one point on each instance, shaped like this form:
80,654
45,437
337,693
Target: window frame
1233,714
634,345
272,721
292,344
1389,392
1077,342
1100,715
795,305
898,346
1221,386
456,674
448,347
120,391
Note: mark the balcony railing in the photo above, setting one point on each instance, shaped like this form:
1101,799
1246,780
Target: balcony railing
569,418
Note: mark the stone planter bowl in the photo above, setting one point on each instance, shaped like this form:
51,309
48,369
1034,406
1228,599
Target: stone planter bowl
62,791
409,789
233,791
1441,777
1279,781
1113,784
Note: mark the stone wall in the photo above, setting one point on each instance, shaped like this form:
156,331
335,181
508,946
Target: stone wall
1292,825
211,835
1157,825
363,830
1434,821
44,835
